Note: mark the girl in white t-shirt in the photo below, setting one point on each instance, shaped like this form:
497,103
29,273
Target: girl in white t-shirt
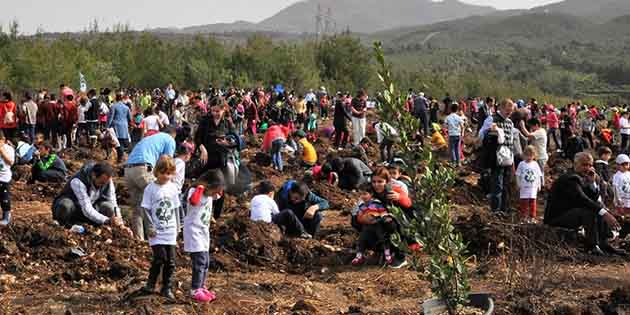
621,184
529,179
161,201
152,122
197,230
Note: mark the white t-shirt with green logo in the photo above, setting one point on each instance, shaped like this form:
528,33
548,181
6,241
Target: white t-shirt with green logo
529,177
197,225
621,183
162,201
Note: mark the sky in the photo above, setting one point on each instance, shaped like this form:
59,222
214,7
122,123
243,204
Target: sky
76,15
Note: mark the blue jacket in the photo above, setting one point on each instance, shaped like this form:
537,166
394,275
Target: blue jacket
119,118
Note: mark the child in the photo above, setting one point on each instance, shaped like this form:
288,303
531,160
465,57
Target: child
529,182
308,154
160,201
375,226
197,231
7,157
360,151
398,178
621,185
438,143
603,171
263,206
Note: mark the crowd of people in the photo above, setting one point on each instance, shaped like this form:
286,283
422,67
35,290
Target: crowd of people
180,151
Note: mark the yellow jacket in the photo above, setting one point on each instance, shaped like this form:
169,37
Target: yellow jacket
309,155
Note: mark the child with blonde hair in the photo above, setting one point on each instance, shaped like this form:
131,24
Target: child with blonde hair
530,179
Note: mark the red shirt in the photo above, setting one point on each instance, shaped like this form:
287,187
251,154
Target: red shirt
6,107
70,113
552,120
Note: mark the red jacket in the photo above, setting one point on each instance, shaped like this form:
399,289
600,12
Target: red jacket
6,107
70,113
273,133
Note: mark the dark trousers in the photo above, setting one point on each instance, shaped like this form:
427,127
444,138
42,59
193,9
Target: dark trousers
200,264
164,261
82,130
624,143
501,177
217,207
589,136
387,152
342,134
294,225
120,151
376,236
596,229
424,123
564,138
46,176
5,196
68,213
9,133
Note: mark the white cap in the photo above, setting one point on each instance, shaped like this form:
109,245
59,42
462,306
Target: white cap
622,158
421,93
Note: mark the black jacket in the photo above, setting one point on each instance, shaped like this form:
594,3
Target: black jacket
570,192
341,116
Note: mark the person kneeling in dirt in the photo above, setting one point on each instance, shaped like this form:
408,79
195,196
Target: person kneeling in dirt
301,209
351,172
89,197
575,202
376,226
389,194
265,209
48,167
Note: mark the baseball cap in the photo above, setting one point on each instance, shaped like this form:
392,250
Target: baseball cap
622,158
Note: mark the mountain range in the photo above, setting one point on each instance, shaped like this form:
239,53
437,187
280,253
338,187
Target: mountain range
374,16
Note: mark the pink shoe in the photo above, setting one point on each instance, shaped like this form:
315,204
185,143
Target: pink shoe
211,295
200,296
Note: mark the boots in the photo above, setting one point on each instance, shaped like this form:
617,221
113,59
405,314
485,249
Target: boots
149,288
6,218
167,280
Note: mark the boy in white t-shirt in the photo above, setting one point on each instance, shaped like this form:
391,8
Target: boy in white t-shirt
161,201
7,157
263,207
197,230
621,184
529,179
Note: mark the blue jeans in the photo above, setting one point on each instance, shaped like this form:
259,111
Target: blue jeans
200,263
501,184
453,148
276,153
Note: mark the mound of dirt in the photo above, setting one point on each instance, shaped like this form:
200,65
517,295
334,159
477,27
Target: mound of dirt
248,245
43,254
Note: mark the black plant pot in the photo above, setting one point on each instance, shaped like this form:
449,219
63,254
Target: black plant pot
481,301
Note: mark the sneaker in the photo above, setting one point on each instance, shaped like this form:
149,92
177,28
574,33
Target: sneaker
397,264
6,218
210,294
358,261
306,236
389,259
415,247
200,296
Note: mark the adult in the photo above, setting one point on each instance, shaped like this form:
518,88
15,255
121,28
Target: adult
501,170
575,201
29,108
351,172
537,138
48,167
421,112
119,118
89,197
91,115
8,115
301,208
382,188
341,117
359,120
213,146
69,118
138,175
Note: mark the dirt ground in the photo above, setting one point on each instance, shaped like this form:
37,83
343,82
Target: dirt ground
528,269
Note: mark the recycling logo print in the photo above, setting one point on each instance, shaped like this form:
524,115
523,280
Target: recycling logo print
625,187
164,211
205,215
530,177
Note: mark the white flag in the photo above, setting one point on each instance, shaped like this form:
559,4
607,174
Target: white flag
82,83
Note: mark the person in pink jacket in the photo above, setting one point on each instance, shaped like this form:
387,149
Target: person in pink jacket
553,123
274,140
